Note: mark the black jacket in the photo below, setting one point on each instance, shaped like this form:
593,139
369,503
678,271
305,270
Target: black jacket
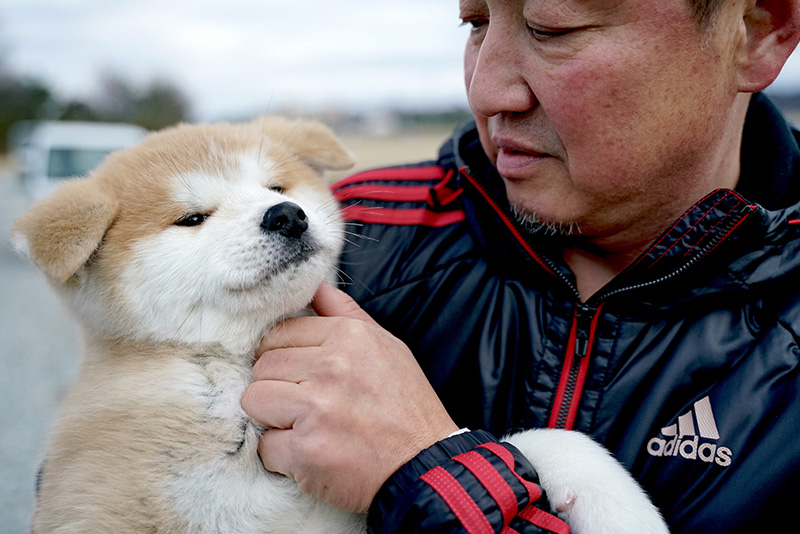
685,366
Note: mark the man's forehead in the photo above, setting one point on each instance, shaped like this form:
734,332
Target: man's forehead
551,4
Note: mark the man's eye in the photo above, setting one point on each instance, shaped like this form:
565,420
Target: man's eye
474,24
543,34
193,219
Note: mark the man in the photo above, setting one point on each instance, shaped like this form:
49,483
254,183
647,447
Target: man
613,248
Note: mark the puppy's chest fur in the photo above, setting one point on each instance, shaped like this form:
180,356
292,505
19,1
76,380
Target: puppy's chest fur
225,479
218,386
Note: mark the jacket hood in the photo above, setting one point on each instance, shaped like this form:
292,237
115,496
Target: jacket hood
731,240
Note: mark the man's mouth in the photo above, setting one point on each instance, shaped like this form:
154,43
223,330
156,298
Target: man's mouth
514,160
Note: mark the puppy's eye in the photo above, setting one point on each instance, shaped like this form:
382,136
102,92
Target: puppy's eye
277,188
193,219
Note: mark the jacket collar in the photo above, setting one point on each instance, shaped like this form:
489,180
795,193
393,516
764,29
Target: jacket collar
770,161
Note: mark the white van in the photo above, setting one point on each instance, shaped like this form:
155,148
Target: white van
49,151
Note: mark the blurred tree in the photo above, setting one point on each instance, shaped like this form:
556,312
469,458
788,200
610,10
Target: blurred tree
116,100
76,110
162,104
158,105
20,99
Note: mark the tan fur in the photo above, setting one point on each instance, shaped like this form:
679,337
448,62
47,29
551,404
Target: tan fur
151,437
64,231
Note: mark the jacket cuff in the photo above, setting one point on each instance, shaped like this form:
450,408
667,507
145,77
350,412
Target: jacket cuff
467,482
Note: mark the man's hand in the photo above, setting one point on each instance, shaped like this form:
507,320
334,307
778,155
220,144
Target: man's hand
344,401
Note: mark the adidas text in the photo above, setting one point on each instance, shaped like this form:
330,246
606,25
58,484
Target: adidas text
683,438
691,450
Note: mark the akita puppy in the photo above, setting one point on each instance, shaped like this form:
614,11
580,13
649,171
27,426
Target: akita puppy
177,256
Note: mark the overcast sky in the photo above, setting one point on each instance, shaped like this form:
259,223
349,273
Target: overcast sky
239,57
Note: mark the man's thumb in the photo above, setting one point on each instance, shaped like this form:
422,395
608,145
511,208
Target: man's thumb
331,302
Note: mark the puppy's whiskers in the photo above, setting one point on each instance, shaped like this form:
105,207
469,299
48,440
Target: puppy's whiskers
341,275
179,330
330,203
345,233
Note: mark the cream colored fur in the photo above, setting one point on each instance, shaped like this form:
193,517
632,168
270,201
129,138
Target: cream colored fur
152,437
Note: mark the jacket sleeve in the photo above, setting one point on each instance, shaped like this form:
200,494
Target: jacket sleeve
466,483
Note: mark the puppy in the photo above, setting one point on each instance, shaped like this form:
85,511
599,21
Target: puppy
177,256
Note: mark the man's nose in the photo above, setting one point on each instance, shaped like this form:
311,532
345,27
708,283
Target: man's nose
495,77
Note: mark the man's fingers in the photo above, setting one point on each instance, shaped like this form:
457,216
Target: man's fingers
330,302
274,448
295,332
289,365
272,403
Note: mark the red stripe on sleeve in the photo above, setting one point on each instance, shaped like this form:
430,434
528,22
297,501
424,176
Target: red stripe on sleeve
542,519
505,455
458,500
493,481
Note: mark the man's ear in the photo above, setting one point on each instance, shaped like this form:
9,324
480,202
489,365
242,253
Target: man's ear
60,233
773,31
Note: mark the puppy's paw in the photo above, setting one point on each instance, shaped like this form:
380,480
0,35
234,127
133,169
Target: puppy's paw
587,487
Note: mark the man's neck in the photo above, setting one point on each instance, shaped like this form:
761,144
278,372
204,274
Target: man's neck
593,268
592,272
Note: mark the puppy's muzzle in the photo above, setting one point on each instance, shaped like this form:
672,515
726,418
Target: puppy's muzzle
286,218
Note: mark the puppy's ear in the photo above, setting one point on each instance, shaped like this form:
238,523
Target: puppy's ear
60,233
311,141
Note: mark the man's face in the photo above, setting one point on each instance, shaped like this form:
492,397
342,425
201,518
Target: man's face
601,112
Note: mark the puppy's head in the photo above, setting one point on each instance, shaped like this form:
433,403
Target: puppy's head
200,234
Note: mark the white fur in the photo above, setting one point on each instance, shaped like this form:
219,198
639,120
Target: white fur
21,245
587,487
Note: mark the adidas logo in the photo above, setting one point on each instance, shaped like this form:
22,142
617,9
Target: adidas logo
683,438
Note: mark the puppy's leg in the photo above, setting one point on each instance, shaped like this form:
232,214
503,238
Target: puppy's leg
589,489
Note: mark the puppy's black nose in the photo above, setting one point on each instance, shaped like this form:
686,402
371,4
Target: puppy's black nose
286,218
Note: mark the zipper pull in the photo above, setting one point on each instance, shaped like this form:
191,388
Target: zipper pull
583,329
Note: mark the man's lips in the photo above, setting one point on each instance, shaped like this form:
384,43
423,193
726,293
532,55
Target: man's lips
511,146
514,159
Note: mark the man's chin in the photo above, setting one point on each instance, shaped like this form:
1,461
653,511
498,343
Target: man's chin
533,224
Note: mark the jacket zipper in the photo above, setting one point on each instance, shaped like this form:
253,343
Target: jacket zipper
579,347
576,364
